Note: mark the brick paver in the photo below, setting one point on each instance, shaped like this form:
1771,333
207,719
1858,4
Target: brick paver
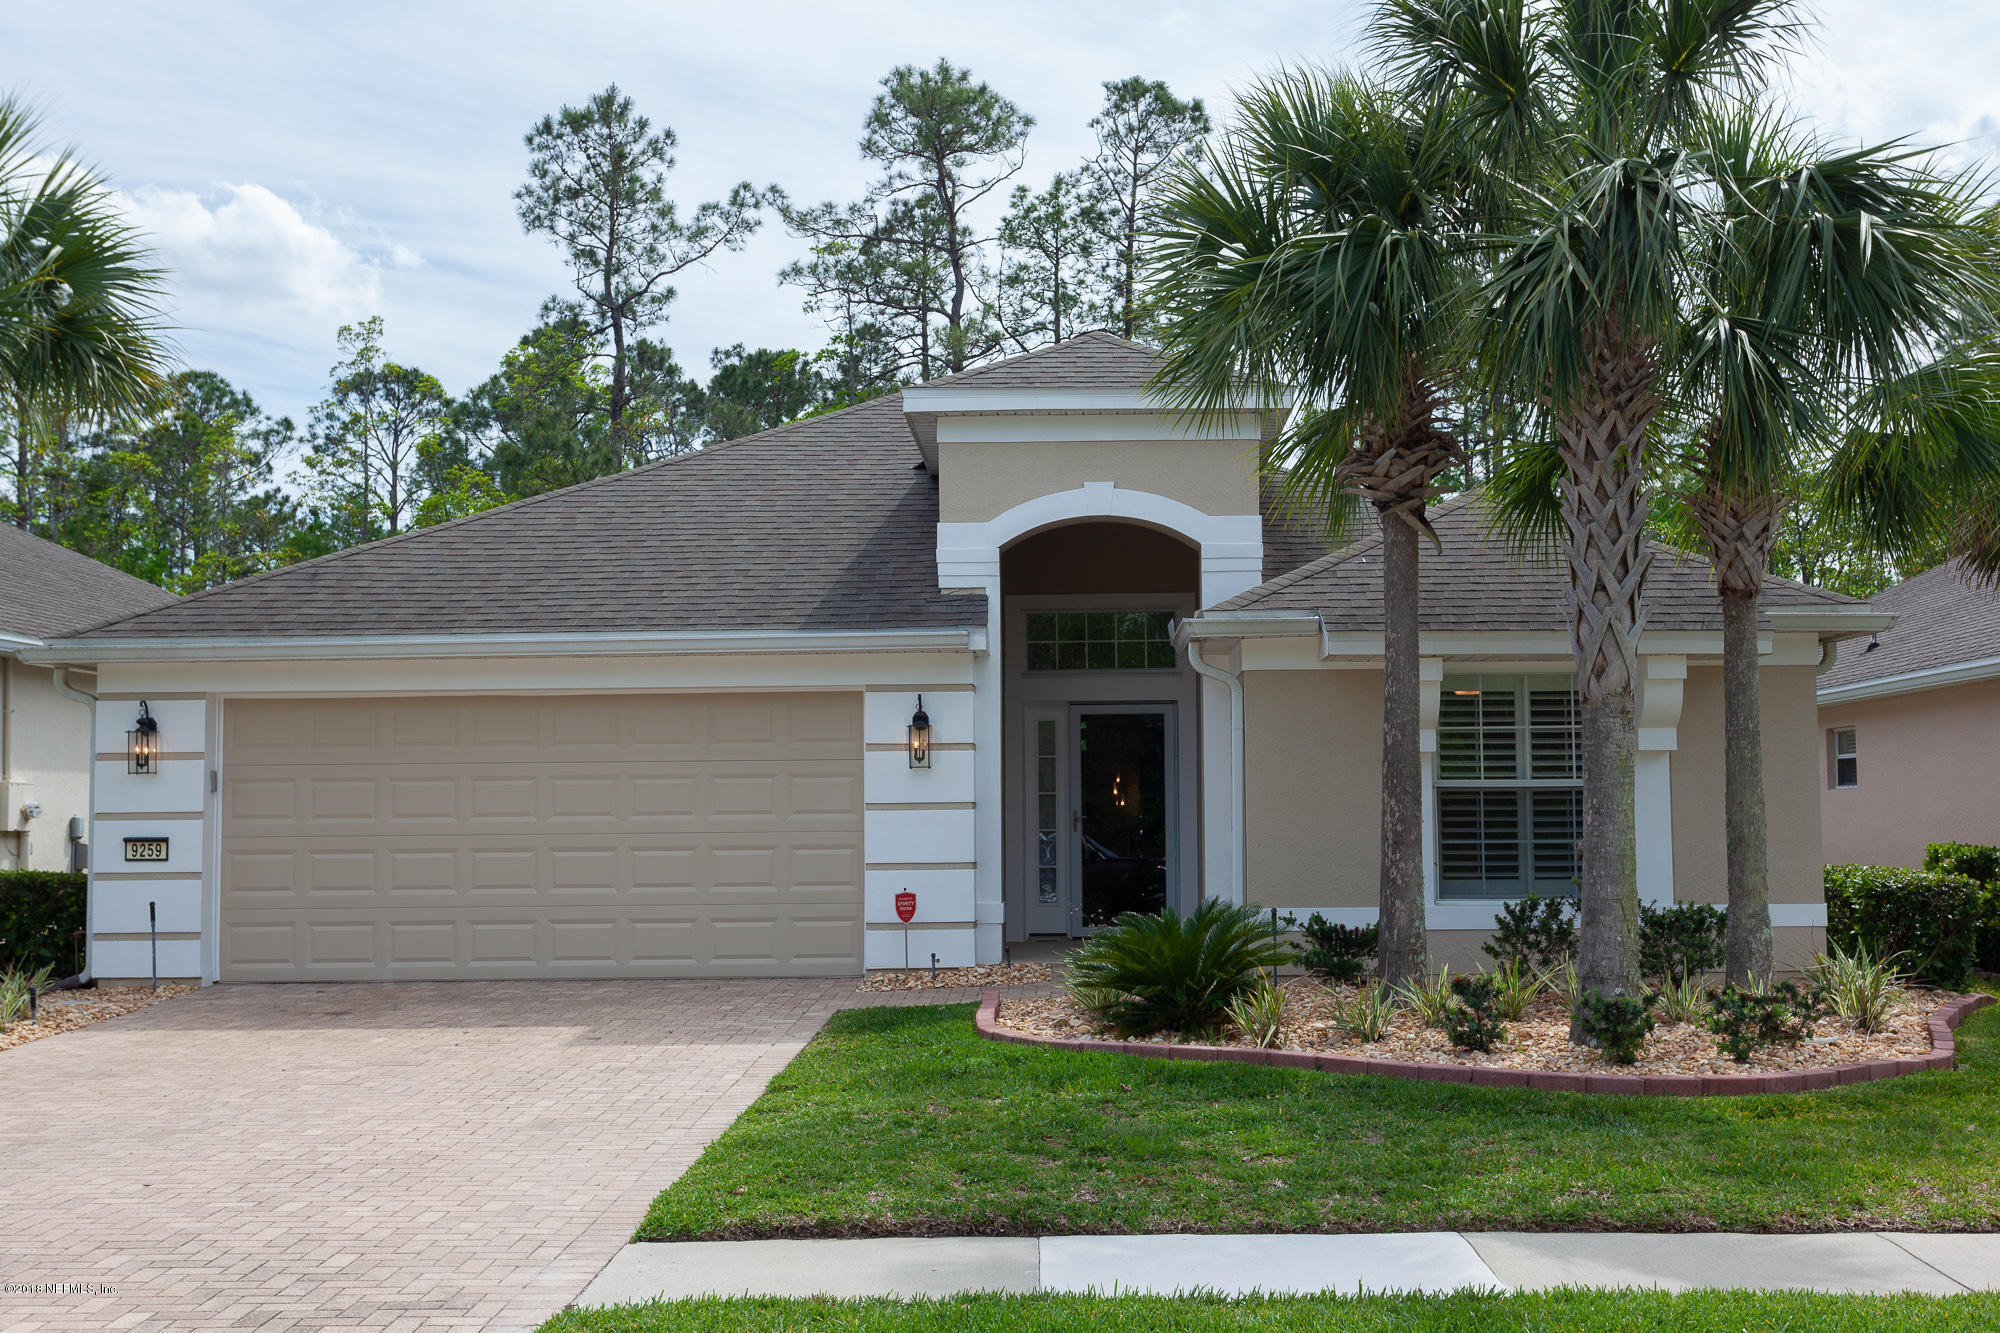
450,1155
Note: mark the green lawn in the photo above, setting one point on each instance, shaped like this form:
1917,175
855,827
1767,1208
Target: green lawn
1551,1312
904,1122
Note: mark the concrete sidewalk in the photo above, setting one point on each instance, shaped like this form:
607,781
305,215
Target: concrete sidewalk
1433,1261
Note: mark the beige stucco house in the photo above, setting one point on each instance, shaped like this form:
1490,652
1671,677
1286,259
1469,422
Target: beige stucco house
991,659
1910,726
48,591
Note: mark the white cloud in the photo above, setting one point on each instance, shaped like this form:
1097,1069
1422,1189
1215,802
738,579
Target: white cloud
248,251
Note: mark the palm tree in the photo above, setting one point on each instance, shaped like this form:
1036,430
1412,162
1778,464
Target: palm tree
78,296
1319,246
1828,276
1588,295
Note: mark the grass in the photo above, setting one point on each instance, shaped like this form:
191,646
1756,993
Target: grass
1568,1311
904,1122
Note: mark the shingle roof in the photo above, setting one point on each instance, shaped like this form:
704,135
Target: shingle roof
1094,360
48,590
1941,620
824,524
1478,583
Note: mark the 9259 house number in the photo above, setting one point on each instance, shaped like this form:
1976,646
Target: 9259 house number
145,849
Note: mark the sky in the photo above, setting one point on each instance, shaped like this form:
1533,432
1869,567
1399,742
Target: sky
303,166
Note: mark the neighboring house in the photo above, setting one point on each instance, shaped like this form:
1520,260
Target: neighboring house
1910,726
667,723
46,592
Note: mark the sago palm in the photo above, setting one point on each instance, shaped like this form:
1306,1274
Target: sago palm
1593,109
1319,246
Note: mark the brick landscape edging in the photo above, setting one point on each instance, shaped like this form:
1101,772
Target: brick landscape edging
1943,1056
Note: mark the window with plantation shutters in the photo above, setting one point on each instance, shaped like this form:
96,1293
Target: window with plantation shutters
1509,799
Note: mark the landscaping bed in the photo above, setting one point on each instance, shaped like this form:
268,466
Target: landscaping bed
963,978
65,1011
1571,1311
904,1121
1539,1040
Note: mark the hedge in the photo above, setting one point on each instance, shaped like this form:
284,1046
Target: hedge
41,920
1930,918
1975,863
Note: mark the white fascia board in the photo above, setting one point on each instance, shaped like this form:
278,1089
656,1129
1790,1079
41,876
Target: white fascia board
1523,643
1248,625
1911,682
321,648
971,398
1829,622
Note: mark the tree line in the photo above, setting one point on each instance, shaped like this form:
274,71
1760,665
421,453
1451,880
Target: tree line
944,259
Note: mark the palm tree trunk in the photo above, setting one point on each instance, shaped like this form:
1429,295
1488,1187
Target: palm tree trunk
1603,438
1747,952
1402,952
1740,526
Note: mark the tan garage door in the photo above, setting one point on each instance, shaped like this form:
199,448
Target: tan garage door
559,836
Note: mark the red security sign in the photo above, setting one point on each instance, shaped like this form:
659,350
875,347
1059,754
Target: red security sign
906,906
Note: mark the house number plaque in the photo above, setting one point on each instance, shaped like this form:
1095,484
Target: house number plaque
145,849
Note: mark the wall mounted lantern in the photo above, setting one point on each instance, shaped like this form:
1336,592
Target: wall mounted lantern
142,744
920,736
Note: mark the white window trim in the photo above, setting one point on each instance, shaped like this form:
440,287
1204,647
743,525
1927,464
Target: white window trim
1835,755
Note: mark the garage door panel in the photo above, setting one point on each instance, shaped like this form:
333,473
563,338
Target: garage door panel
562,836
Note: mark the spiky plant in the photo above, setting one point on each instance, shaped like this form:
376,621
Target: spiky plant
1173,973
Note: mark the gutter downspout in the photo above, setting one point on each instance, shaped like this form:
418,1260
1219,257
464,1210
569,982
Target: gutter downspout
59,677
1829,653
1237,844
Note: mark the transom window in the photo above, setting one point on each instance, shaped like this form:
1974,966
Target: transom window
1100,640
1509,789
1843,757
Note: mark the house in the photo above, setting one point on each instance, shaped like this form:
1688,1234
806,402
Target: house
994,658
1910,726
48,591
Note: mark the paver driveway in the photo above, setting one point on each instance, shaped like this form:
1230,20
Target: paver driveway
436,1155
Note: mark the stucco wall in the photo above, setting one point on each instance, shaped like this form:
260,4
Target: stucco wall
1791,787
1929,771
47,748
979,480
1312,745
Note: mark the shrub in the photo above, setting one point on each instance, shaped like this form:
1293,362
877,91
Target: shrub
1335,952
1930,918
1429,1000
1982,866
1367,1016
1561,982
1681,942
1616,1024
14,989
1858,988
1744,1020
1684,1001
1537,932
1259,1012
1470,1021
1171,972
41,920
1515,988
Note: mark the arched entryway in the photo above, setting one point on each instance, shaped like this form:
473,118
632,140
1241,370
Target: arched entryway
1101,730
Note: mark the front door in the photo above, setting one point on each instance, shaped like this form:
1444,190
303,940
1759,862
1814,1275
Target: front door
1121,761
1102,807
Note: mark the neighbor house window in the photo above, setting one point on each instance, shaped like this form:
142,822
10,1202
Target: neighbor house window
1842,758
1100,640
1509,790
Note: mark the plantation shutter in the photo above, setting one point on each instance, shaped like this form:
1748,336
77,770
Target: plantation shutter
1509,806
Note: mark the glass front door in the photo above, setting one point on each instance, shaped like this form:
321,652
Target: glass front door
1122,774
